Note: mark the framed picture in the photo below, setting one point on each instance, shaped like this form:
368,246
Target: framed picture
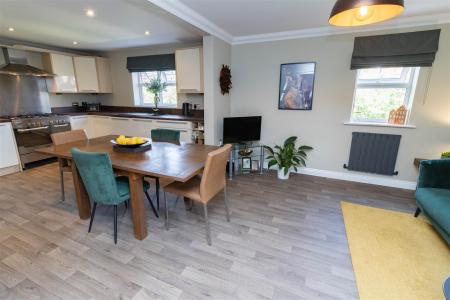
246,163
296,86
255,165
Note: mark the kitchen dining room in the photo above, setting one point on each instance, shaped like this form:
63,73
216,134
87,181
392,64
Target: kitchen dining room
196,149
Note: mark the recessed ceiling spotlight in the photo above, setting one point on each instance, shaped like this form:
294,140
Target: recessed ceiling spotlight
75,42
11,29
90,13
147,32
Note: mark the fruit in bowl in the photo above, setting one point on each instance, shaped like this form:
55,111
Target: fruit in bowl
135,140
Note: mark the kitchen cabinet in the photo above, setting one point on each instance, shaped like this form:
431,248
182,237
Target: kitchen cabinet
189,70
184,127
81,122
62,67
142,127
103,75
92,74
99,126
9,157
122,126
96,126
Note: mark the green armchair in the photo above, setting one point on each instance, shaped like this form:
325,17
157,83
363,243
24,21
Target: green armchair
433,194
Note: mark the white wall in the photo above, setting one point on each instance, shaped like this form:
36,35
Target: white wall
256,68
217,106
121,78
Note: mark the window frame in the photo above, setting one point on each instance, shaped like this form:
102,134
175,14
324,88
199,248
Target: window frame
410,86
138,90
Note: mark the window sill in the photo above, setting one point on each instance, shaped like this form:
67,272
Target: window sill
379,125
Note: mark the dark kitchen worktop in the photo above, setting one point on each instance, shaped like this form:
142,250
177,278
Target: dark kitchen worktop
4,120
139,115
170,114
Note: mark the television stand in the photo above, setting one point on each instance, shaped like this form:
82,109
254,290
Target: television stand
246,158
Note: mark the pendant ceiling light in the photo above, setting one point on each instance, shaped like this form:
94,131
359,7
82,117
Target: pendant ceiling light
364,12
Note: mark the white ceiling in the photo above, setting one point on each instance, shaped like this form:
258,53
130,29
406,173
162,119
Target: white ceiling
117,24
239,18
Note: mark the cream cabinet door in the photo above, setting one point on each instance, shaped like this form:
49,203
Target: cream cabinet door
62,66
189,70
86,74
81,122
104,75
142,127
122,126
8,151
100,126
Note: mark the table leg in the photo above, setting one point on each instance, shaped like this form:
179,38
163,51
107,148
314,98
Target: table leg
137,206
157,192
83,202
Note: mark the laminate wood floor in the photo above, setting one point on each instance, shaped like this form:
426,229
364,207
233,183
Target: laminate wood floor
286,240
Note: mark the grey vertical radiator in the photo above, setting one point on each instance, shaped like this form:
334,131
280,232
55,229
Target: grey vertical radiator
374,153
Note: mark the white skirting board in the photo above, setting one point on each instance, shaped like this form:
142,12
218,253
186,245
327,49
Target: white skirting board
10,170
352,176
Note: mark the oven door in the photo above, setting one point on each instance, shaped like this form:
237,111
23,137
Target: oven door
30,139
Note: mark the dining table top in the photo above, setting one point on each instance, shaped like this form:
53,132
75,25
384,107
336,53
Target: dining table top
165,160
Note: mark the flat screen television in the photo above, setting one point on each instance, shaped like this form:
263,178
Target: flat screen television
241,129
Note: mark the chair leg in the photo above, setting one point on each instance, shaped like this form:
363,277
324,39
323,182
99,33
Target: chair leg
94,207
225,199
176,201
115,224
157,192
417,213
151,204
61,176
208,231
167,212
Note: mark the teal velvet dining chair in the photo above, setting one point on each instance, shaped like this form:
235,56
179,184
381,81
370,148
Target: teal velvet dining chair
166,135
102,185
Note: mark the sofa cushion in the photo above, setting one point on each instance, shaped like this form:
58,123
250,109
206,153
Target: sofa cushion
436,204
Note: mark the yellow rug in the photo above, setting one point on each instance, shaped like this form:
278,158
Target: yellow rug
394,255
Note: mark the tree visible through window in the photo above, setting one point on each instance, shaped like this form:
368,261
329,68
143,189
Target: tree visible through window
168,98
380,90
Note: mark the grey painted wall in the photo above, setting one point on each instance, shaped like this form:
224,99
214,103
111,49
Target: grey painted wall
255,70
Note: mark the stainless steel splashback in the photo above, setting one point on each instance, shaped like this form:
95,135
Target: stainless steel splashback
22,95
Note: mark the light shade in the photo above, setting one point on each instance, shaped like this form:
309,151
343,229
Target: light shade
364,12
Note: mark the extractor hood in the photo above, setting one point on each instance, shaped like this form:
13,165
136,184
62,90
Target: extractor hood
20,69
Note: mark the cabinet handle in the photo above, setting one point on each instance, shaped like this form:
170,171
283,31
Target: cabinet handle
90,91
101,117
32,129
121,119
142,120
78,117
172,122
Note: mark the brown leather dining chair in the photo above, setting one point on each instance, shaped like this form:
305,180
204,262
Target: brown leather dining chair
204,189
65,137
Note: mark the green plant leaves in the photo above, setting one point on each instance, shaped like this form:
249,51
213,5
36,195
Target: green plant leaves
288,156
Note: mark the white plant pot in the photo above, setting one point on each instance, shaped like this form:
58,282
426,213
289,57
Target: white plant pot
281,174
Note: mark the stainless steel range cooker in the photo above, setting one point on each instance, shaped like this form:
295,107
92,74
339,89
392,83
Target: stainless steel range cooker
33,131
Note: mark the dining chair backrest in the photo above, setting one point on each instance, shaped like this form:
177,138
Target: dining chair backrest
166,135
97,174
213,178
68,137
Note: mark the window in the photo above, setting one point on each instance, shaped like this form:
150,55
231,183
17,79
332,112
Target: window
168,98
380,90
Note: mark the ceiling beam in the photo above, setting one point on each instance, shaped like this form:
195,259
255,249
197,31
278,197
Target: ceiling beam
187,14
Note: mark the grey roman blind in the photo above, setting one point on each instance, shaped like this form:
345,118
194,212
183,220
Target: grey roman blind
411,49
163,62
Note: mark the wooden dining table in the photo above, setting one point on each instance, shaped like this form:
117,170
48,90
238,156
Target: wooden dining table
164,160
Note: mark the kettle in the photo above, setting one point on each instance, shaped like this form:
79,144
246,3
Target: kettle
187,108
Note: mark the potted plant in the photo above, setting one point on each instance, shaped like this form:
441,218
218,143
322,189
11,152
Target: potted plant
156,87
287,157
